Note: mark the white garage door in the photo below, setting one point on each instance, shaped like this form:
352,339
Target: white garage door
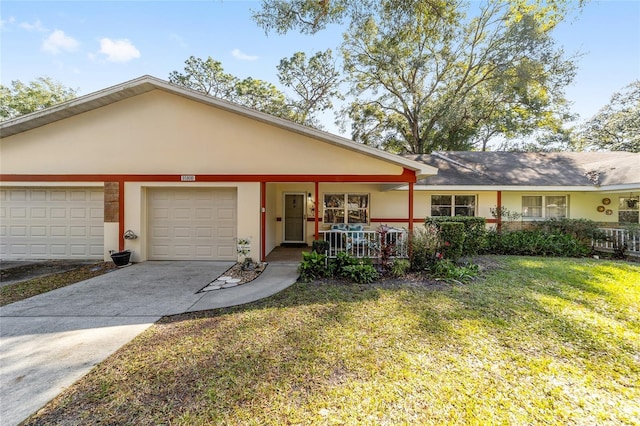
192,224
51,223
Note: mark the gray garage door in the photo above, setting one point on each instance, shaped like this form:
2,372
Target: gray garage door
51,223
192,224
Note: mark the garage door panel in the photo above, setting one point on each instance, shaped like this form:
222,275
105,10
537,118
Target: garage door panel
182,232
58,213
43,223
17,213
58,195
38,212
78,196
184,224
38,249
38,231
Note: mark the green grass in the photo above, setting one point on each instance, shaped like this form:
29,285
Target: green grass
32,287
537,341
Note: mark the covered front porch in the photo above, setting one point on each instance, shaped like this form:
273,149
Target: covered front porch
347,212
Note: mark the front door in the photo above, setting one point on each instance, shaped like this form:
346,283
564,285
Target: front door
294,218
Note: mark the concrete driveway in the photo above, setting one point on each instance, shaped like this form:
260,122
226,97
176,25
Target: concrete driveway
49,341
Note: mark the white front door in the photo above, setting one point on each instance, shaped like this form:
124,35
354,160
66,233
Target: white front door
294,217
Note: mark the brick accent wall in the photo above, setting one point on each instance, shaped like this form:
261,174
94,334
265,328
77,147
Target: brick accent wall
112,202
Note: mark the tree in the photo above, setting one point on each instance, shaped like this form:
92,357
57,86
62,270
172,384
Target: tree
445,82
616,127
426,77
263,96
310,17
21,98
314,81
208,76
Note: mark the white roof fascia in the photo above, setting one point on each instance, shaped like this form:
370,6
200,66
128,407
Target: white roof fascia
625,187
500,188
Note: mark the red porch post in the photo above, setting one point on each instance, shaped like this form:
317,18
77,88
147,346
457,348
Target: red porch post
121,214
263,221
499,211
411,184
316,218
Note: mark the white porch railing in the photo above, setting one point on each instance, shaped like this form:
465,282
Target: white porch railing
614,238
366,243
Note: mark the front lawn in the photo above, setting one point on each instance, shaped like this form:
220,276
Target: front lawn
536,341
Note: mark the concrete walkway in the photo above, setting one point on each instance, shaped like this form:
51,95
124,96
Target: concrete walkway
49,341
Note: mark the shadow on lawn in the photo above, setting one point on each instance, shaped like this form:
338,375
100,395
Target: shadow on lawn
217,362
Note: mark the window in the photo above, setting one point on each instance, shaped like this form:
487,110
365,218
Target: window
544,206
346,208
453,205
628,210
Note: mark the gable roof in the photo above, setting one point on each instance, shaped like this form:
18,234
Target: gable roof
543,170
147,83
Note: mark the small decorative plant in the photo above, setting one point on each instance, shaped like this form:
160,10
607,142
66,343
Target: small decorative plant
244,247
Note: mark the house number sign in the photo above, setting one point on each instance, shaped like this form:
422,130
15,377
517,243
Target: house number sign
187,178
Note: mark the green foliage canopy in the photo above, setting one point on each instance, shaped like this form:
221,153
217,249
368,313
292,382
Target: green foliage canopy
428,75
20,98
616,127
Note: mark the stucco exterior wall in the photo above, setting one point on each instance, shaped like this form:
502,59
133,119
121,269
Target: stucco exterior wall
162,133
581,204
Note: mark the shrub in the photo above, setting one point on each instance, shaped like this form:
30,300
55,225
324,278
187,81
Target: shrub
320,246
361,273
387,248
313,266
474,230
423,245
449,270
399,267
534,242
452,239
583,230
342,260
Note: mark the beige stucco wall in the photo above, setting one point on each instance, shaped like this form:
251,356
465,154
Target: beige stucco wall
581,204
162,133
383,204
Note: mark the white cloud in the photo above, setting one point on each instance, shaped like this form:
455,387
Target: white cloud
36,26
118,50
58,41
236,53
5,22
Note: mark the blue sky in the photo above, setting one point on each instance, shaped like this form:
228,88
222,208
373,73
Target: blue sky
90,45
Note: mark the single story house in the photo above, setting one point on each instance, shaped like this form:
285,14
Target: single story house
174,174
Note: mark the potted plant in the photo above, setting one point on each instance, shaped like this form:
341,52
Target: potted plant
121,258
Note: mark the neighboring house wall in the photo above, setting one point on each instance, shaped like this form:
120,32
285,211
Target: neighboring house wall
580,204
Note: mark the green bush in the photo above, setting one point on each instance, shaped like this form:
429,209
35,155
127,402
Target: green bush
361,273
447,269
399,267
452,240
321,246
422,247
313,266
475,229
584,230
342,260
534,242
